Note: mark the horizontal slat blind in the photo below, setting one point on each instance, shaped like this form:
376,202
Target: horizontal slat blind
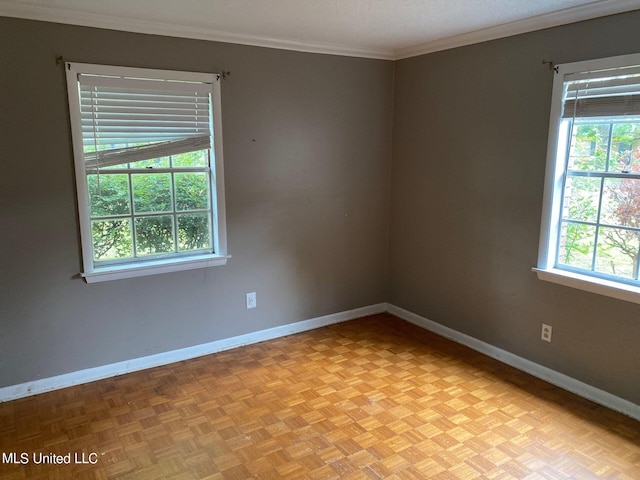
128,120
616,94
119,156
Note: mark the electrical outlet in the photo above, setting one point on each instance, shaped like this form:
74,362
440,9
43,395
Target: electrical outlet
251,300
546,332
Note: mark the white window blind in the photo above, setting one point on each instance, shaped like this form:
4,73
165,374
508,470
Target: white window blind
608,93
130,119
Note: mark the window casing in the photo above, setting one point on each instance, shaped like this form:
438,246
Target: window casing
590,232
149,173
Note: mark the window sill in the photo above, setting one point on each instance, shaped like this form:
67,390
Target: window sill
154,267
600,286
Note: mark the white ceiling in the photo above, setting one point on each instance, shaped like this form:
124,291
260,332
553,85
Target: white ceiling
388,29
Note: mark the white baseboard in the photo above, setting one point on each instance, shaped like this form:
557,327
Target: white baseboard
13,392
561,380
555,378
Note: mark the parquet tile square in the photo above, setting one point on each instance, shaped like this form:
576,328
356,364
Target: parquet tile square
374,398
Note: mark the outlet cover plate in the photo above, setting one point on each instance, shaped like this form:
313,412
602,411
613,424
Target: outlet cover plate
251,300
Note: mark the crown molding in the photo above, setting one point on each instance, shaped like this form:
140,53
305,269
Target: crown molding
598,8
539,22
12,8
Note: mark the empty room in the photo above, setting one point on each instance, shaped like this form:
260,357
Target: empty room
320,240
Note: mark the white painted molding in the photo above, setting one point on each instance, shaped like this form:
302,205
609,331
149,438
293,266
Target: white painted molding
621,291
539,22
13,8
555,378
43,385
558,379
20,9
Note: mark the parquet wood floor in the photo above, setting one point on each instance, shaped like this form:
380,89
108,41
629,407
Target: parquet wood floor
368,399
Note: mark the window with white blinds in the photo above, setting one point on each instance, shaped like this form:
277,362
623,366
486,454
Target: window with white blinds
148,152
590,232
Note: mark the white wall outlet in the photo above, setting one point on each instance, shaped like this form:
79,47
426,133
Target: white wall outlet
546,332
251,300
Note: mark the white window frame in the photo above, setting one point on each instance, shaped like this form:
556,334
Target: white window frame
218,255
553,189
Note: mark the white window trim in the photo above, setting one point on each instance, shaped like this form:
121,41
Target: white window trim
553,190
141,269
93,274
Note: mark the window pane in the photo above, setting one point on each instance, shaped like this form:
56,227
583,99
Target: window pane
576,245
191,159
581,197
625,148
192,192
91,147
153,163
111,239
589,146
108,195
154,235
617,252
194,231
621,202
152,192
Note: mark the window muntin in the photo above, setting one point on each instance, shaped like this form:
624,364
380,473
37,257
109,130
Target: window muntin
148,169
151,207
600,223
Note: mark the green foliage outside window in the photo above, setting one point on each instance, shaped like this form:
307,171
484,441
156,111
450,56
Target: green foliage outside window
600,213
141,212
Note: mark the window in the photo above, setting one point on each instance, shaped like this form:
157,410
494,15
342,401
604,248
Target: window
148,161
590,235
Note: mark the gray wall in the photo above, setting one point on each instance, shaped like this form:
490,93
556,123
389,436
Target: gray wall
307,160
307,149
470,136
